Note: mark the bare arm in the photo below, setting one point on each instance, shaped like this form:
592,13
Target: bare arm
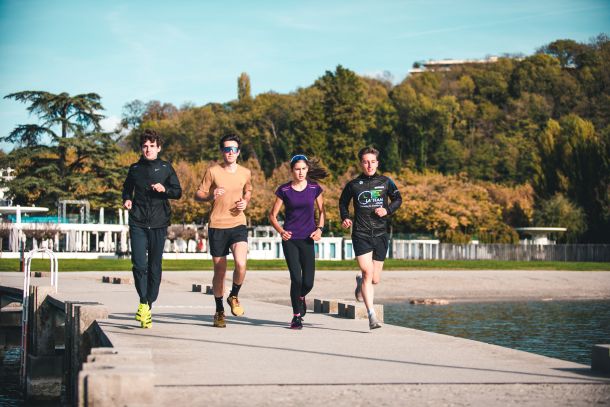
277,205
317,234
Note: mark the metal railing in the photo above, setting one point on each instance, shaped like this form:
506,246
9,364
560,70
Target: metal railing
404,249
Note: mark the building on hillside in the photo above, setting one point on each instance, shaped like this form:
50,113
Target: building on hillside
448,64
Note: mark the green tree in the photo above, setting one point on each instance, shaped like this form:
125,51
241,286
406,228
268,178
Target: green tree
243,87
346,116
568,52
62,117
66,156
558,211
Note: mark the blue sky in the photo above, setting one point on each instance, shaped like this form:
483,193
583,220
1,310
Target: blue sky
193,51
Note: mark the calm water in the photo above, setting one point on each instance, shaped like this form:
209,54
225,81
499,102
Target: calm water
561,329
10,394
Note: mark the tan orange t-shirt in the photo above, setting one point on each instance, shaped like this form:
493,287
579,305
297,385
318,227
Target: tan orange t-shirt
224,212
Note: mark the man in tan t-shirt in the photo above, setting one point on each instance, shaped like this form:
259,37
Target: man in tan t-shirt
229,187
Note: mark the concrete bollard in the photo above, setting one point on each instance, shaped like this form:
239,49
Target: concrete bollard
600,358
353,310
196,288
326,306
330,306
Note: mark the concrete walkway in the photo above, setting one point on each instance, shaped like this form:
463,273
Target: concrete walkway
258,360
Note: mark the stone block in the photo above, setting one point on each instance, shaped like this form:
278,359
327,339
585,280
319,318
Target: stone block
10,336
44,377
115,386
600,358
326,306
196,288
342,308
10,317
353,310
42,325
330,306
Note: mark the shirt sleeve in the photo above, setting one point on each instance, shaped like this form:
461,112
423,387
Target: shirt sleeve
206,182
128,186
172,187
319,190
346,196
279,193
395,197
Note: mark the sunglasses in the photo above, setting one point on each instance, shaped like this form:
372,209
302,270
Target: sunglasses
298,157
231,149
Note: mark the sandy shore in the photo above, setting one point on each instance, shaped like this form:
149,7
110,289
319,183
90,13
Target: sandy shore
399,286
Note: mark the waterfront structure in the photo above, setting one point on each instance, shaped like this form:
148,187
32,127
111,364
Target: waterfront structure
97,239
538,235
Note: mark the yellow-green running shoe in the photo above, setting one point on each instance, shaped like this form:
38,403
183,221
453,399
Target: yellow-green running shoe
147,320
143,310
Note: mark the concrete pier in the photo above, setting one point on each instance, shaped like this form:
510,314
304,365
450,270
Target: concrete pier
258,360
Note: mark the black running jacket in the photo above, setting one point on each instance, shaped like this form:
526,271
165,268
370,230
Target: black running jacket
150,209
367,194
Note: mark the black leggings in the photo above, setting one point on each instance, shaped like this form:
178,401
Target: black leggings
300,257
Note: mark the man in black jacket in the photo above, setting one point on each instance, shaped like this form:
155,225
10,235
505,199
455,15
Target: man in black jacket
149,184
374,197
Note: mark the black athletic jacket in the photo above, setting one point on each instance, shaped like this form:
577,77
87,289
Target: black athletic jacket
368,194
150,209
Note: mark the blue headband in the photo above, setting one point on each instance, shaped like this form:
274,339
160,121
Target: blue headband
298,157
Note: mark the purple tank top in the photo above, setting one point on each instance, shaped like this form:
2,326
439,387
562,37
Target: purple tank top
299,207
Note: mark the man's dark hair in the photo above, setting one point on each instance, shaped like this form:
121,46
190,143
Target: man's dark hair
230,137
152,136
368,150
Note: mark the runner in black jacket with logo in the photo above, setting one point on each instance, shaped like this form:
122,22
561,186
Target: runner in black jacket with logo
374,197
149,184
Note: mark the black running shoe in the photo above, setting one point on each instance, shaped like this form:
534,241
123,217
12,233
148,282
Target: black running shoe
296,323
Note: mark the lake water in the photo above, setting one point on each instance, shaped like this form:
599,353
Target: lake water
560,329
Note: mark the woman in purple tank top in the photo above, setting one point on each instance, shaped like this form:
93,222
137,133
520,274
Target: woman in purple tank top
300,197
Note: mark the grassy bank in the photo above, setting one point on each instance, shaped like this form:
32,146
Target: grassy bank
390,264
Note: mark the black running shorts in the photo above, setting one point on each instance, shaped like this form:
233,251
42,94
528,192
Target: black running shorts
221,240
378,245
